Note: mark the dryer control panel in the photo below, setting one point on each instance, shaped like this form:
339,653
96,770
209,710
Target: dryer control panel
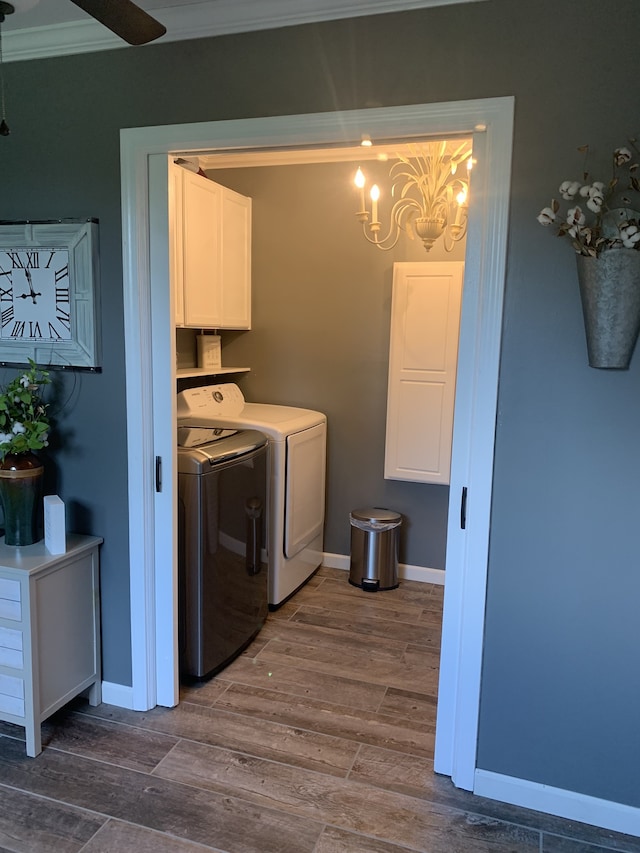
209,401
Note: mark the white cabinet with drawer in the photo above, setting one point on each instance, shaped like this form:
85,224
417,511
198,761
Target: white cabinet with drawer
49,631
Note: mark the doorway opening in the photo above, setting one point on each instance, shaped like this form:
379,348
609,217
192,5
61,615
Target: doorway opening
150,355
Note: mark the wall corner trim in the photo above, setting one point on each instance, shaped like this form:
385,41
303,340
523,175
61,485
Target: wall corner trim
119,695
557,801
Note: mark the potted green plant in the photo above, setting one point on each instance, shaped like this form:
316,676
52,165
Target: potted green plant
604,230
24,428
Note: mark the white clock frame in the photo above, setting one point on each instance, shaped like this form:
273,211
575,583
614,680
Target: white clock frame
78,237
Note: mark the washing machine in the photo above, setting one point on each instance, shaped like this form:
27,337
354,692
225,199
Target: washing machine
222,531
296,494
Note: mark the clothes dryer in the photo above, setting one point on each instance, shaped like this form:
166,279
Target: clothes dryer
296,496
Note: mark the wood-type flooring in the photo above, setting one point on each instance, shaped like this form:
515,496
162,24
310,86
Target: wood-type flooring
317,739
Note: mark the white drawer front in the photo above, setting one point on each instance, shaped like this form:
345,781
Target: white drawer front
10,589
11,705
10,609
11,648
11,657
10,638
10,685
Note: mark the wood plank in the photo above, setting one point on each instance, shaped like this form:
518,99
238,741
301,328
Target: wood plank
334,719
117,837
266,738
300,681
104,741
30,824
344,803
425,635
393,667
218,820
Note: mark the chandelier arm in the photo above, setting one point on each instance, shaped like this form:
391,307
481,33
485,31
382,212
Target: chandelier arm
381,243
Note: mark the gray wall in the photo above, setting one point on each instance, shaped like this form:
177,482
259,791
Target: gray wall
560,691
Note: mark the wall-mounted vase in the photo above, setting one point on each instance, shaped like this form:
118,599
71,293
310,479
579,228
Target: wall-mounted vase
610,294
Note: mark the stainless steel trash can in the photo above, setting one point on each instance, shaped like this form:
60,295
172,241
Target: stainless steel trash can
374,548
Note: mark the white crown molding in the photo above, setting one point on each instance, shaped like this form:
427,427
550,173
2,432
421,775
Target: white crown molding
198,20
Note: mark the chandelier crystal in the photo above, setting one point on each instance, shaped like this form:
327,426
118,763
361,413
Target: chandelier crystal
432,197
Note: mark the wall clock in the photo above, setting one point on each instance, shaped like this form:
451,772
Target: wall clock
49,293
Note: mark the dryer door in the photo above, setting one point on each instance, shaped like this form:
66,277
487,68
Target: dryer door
305,485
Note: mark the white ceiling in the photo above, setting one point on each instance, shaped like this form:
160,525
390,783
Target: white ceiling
41,28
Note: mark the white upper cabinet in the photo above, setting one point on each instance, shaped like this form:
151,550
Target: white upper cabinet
211,253
423,354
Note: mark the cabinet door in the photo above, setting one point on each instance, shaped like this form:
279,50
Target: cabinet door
235,259
423,353
201,226
211,253
176,240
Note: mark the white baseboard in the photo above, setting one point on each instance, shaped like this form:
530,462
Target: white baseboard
117,694
556,801
405,572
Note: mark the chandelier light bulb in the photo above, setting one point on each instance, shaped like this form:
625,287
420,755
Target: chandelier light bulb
359,181
375,195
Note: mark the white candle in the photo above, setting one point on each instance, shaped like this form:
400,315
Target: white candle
375,195
460,198
359,181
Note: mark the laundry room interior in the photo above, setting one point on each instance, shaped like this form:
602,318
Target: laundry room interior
321,298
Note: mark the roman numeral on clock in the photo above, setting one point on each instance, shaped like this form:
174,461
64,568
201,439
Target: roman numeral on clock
16,260
34,329
63,316
63,272
18,329
7,315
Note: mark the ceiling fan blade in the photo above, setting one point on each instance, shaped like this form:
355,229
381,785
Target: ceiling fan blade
125,19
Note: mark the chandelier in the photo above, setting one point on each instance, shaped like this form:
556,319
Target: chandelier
432,198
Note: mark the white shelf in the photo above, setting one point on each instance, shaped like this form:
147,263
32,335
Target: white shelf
186,372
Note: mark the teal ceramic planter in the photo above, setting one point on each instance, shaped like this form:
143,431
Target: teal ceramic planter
21,497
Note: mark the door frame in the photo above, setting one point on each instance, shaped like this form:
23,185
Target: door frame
151,397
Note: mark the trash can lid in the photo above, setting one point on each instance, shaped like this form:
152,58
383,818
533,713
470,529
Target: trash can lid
376,515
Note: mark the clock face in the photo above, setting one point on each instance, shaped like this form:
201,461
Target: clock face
34,294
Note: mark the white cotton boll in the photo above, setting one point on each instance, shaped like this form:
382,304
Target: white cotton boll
621,156
546,216
630,235
568,189
595,203
18,428
575,216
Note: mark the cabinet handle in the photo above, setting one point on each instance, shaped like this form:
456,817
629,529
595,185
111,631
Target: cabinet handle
158,473
463,509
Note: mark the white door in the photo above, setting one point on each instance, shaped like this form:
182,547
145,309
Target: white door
423,357
150,409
